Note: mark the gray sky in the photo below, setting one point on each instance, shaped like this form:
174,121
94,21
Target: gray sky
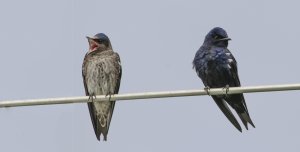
43,45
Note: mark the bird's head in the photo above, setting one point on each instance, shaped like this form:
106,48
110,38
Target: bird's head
99,42
217,37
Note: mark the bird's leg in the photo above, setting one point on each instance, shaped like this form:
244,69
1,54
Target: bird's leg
226,90
108,94
92,97
207,89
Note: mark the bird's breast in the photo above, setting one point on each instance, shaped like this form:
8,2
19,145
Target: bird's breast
99,76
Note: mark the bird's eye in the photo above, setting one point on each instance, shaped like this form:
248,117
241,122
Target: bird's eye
98,41
216,37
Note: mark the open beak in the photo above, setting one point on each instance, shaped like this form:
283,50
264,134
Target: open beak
89,38
225,39
93,44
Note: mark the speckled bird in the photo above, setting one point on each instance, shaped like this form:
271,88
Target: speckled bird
217,68
101,71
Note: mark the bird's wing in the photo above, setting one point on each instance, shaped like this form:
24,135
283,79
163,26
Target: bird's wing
235,76
234,70
227,112
117,63
92,111
242,109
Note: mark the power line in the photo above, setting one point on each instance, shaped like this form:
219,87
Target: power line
148,95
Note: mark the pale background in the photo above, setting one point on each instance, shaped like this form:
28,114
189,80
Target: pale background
43,44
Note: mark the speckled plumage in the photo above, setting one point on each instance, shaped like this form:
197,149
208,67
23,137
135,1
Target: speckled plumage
101,72
217,68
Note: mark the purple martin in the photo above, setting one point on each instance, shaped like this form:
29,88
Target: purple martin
101,72
217,68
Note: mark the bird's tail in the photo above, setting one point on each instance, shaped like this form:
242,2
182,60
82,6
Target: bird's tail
227,112
242,110
246,119
103,124
104,132
102,127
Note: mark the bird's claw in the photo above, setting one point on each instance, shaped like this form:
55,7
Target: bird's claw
226,90
207,89
108,94
92,97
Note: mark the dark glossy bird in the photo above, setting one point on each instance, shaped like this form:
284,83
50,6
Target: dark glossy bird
101,71
217,68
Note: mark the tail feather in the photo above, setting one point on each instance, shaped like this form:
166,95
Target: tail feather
102,130
227,112
246,119
237,102
104,135
243,120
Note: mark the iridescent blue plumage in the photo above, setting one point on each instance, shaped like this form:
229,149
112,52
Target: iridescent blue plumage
217,67
101,36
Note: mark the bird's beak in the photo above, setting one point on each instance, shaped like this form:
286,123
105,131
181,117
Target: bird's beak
92,43
89,38
225,39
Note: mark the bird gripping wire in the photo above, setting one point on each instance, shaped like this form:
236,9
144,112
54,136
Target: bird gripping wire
148,95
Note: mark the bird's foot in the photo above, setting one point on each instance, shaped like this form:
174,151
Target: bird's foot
207,89
92,97
226,88
109,96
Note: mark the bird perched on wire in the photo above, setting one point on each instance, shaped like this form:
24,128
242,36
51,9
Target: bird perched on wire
217,68
101,71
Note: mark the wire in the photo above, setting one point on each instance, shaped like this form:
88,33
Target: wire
148,95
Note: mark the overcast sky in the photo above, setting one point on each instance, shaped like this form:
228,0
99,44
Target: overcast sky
43,44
